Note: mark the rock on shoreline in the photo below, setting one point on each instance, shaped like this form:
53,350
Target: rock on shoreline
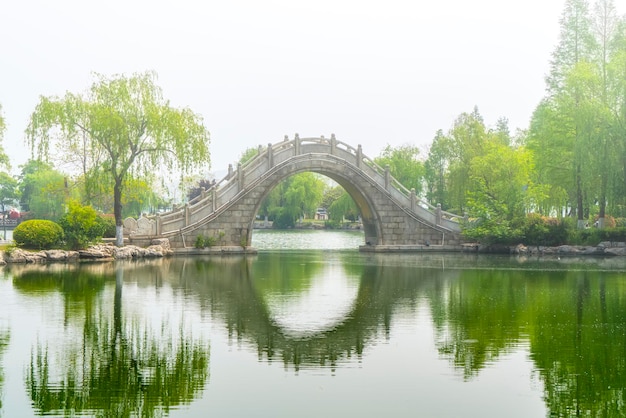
101,252
603,249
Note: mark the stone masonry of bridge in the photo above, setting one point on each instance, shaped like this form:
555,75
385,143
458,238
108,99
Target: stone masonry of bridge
393,218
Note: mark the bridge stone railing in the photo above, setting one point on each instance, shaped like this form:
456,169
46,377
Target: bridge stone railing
218,197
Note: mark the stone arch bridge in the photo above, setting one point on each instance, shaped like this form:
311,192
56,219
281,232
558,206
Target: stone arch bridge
394,218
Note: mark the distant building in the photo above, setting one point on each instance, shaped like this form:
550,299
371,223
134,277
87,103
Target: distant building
321,214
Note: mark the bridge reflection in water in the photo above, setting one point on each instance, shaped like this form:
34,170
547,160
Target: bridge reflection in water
570,321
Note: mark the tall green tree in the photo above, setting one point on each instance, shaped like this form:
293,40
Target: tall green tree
343,208
296,196
466,140
304,194
43,190
128,122
576,45
436,170
404,164
617,92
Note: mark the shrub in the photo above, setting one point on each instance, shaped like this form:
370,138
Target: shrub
332,224
490,231
593,236
204,242
283,220
210,241
542,230
81,225
108,226
38,234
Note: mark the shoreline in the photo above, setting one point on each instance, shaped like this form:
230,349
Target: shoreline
161,248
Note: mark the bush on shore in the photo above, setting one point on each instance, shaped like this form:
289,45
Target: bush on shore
535,229
82,226
38,234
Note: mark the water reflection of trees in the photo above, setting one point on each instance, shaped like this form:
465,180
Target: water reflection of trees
578,342
113,366
234,290
571,322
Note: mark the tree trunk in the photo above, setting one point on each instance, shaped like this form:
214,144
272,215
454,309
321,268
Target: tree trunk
602,214
579,199
117,211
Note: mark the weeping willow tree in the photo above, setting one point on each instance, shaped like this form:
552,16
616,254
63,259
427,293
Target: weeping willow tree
124,126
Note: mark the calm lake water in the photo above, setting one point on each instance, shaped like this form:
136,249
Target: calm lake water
321,332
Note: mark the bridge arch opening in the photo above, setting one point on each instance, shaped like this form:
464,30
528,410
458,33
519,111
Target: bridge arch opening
366,212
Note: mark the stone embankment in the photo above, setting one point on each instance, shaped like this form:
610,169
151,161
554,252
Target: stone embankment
103,252
602,249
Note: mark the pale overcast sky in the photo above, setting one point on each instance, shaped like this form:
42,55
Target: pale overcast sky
372,72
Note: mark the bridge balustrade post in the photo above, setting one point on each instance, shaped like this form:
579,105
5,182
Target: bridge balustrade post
260,150
239,176
296,144
270,156
413,199
159,224
230,171
387,177
333,144
186,214
359,155
438,214
213,199
202,193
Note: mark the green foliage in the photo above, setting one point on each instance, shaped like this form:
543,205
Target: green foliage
533,229
139,197
500,175
297,196
8,190
108,226
38,234
81,225
125,126
331,195
43,190
436,170
283,219
542,230
490,231
404,165
593,236
204,242
343,208
248,155
332,224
